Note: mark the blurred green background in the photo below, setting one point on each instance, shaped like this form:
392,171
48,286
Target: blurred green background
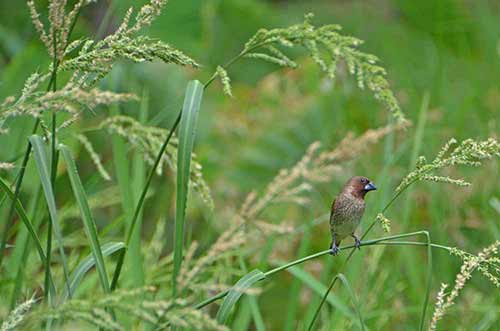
444,52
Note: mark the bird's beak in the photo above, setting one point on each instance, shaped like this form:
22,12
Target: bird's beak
370,187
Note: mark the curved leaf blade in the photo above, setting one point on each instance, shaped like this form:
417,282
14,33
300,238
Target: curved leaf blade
317,287
187,133
354,299
86,264
236,292
26,221
326,294
42,166
88,219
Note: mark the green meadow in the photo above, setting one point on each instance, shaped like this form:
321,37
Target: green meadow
171,165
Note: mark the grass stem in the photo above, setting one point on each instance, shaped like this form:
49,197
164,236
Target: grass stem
373,242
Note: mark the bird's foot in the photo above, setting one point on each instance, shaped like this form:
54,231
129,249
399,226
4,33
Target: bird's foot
334,249
357,243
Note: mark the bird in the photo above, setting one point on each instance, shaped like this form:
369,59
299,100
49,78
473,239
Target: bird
347,210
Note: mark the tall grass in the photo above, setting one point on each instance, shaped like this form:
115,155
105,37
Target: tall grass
169,278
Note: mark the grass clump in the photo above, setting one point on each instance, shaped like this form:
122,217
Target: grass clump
469,152
487,262
156,287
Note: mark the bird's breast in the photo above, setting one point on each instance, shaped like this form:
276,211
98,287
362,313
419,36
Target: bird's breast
346,215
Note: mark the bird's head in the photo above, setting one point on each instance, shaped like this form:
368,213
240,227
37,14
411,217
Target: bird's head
358,186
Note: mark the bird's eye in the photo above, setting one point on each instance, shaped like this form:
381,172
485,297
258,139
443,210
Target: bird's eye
364,180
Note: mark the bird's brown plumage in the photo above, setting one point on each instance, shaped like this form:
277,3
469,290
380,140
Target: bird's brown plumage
347,209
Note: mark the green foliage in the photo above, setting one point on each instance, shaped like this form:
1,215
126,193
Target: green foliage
70,99
92,62
24,218
355,301
94,312
89,262
88,220
337,46
273,156
236,292
148,140
42,166
187,135
487,262
17,315
469,152
95,59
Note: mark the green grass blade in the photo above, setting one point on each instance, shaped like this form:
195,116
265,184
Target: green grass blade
325,276
429,280
130,183
242,320
355,301
294,289
88,220
236,292
54,158
18,181
86,264
142,199
139,173
42,166
252,300
317,287
187,133
429,245
23,246
26,221
256,314
414,271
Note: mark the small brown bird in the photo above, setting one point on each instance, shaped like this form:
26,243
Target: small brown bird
347,209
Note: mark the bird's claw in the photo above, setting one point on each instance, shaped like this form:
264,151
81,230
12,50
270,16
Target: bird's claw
357,243
334,250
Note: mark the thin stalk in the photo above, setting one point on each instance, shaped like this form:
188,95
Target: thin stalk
162,150
325,296
17,190
48,250
414,272
373,242
294,289
26,249
105,21
150,178
53,172
20,176
429,264
140,202
27,153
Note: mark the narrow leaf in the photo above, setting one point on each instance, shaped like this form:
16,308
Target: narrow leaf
88,220
327,293
87,263
26,221
355,301
23,247
236,292
42,166
317,287
187,133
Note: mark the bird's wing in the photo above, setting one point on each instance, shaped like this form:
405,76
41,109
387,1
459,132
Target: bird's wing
332,210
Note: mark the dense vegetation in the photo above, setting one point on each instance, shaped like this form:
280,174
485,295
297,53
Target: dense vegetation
171,166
